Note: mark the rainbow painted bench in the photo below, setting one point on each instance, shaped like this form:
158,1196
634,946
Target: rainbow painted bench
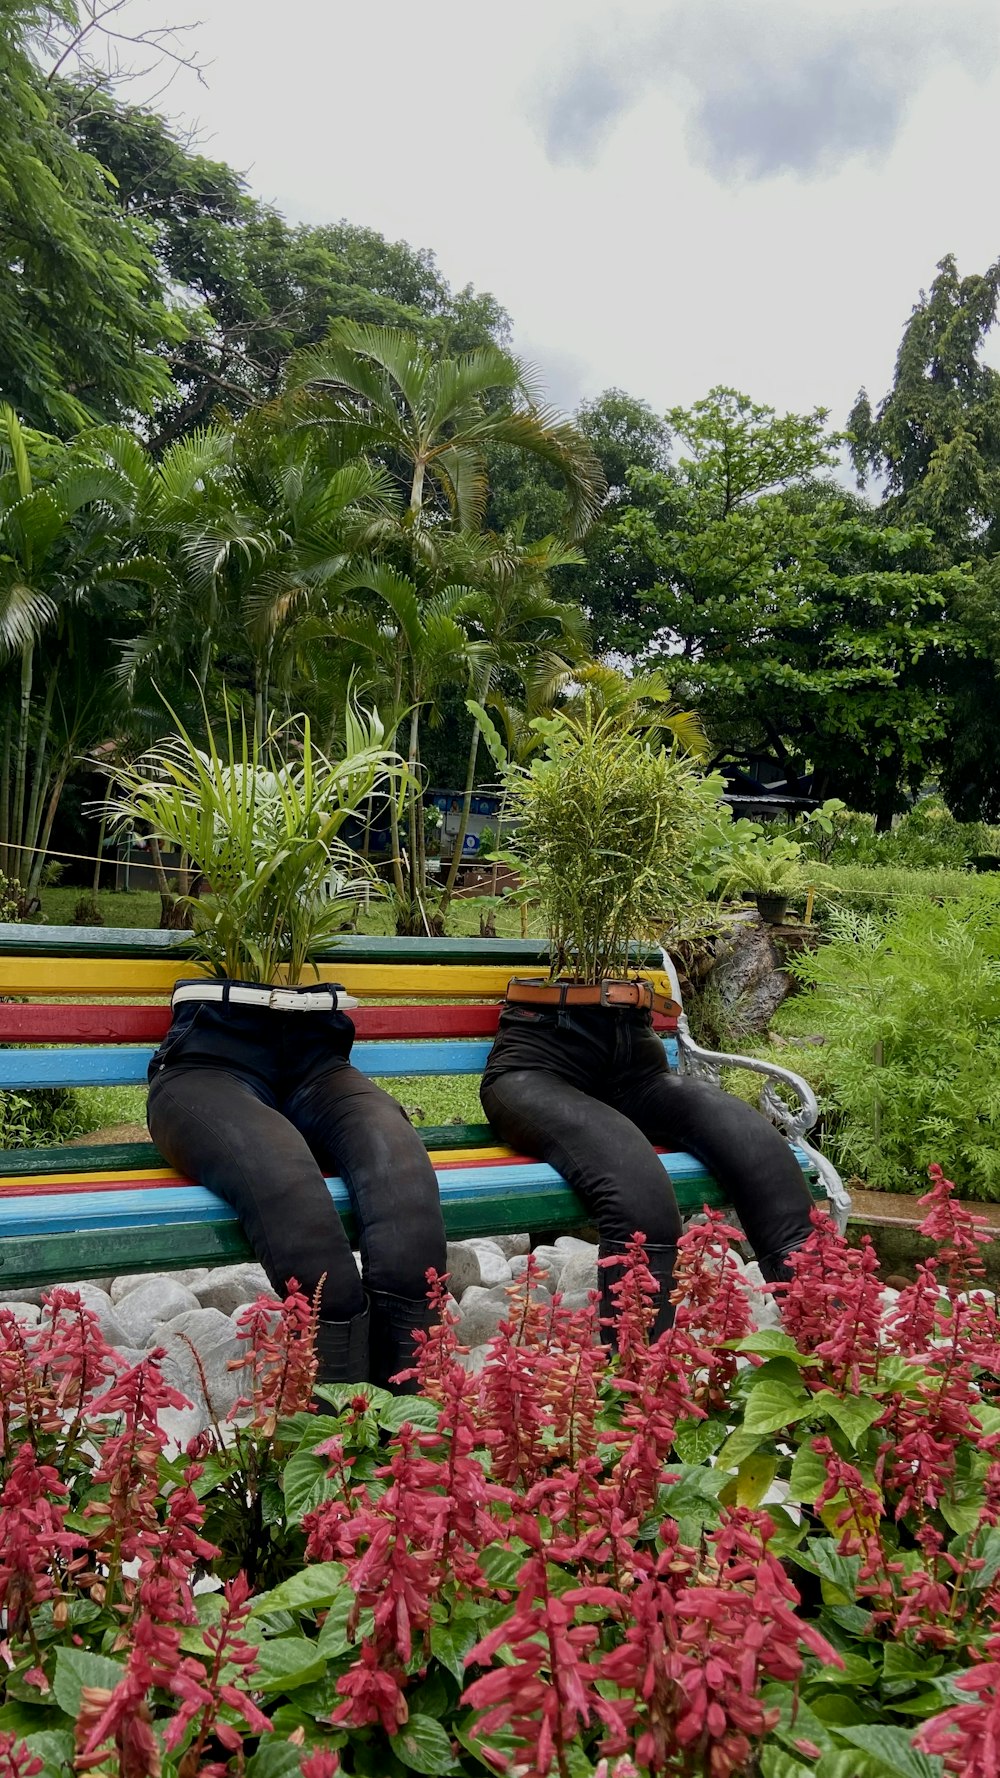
95,1211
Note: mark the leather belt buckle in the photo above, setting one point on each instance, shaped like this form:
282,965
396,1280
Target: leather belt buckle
626,994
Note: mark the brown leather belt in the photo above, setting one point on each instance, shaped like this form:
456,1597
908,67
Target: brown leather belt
530,991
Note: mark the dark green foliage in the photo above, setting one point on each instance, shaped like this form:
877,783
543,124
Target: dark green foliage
909,1007
82,314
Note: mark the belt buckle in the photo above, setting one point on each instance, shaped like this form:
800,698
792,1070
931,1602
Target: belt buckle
283,1000
614,994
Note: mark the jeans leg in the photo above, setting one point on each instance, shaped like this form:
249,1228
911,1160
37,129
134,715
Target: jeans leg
356,1129
216,1128
600,1153
746,1154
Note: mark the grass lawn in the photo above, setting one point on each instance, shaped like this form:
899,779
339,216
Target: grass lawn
141,908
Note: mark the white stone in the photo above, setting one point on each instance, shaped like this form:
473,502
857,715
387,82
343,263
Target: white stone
213,1336
510,1245
574,1244
475,1359
157,1299
480,1314
130,1281
20,1296
494,1267
553,1259
230,1288
580,1273
28,1314
463,1267
180,1425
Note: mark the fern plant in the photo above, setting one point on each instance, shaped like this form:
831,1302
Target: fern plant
261,822
909,1009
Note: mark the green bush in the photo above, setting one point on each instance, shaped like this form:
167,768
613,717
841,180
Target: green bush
869,888
909,1007
927,837
39,1120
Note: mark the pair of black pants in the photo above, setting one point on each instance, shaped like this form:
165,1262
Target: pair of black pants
258,1105
589,1090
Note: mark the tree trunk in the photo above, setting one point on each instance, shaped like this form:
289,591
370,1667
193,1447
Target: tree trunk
21,756
412,790
5,834
55,798
39,778
470,780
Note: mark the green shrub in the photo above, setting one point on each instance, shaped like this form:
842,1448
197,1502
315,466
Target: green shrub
39,1120
909,1007
864,888
927,837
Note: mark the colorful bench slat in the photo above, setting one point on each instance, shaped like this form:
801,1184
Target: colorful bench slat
119,1207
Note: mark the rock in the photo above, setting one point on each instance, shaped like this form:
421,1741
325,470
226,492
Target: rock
518,1266
213,1336
576,1299
510,1245
182,1424
475,1359
480,1314
84,1284
580,1273
463,1267
129,1281
28,1314
20,1296
157,1299
99,1303
553,1259
574,1244
229,1288
746,974
494,1266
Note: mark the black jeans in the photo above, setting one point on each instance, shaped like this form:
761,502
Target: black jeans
589,1091
259,1105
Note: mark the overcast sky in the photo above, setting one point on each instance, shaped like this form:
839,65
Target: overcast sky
665,194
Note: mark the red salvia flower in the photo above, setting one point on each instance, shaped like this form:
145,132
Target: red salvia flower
17,1759
967,1737
280,1359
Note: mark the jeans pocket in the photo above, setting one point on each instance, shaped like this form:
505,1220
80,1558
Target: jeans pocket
173,1043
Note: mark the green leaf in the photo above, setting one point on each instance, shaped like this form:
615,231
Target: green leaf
305,1591
773,1404
697,1440
901,1662
501,1565
19,1717
306,1483
738,1447
451,1642
772,1342
962,1511
413,1408
854,1414
77,1667
333,1640
275,1759
424,1746
893,1747
985,1546
286,1662
808,1475
839,1763
55,1748
753,1478
340,1395
776,1763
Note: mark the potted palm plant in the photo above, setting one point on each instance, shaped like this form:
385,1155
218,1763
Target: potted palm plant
260,821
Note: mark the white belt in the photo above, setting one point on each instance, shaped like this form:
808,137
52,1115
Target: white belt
277,999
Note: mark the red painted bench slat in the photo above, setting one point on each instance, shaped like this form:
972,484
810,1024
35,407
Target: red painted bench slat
61,1024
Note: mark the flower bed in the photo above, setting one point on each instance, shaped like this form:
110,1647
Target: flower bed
733,1552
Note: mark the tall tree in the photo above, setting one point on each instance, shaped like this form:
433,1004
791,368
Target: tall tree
82,312
794,622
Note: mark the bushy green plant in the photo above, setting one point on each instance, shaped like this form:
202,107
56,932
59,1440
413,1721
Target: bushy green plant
40,1119
865,888
927,837
909,1007
261,820
606,833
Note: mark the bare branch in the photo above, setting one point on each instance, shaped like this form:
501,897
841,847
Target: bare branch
94,47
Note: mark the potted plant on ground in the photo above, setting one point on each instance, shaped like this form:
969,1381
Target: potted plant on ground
772,871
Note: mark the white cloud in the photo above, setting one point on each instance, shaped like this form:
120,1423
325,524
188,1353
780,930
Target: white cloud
758,201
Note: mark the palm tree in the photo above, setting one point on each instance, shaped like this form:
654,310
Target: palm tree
526,635
408,637
431,419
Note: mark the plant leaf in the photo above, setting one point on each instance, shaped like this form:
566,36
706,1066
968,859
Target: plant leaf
424,1746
